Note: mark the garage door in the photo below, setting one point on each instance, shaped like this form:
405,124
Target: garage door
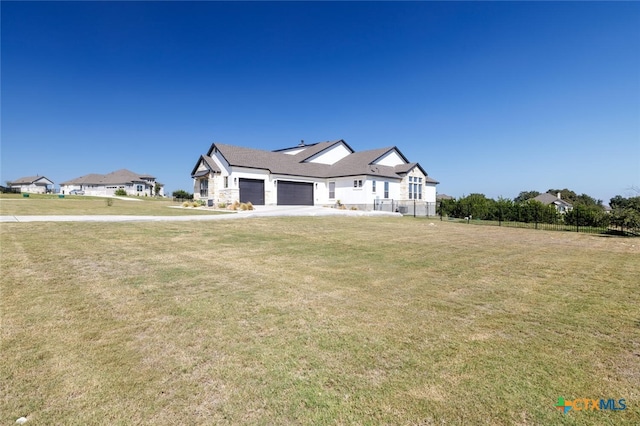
252,190
295,193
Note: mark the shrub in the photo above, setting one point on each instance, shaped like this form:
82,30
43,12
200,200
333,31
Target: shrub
186,204
354,208
222,205
234,206
182,194
120,192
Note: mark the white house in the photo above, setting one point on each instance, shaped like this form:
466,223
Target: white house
106,185
324,173
556,200
33,184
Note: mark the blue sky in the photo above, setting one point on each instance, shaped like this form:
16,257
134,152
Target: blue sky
489,97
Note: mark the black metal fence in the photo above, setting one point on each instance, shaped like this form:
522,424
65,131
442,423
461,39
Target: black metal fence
415,208
555,226
7,190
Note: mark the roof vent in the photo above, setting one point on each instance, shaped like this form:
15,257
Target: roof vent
301,142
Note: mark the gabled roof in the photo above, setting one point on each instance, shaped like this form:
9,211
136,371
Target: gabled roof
278,162
317,148
28,180
211,166
121,176
547,199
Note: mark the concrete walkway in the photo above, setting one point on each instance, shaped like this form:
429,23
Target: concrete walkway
260,211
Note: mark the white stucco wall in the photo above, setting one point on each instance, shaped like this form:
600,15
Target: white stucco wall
391,158
331,155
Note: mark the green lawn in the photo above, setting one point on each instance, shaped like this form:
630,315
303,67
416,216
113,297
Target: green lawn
37,204
315,320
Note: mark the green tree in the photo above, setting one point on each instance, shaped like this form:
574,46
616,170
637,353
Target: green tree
477,206
525,195
182,195
626,218
582,215
503,209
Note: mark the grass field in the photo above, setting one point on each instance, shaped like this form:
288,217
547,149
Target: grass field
40,204
316,320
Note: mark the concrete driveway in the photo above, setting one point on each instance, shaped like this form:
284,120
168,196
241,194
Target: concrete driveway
260,211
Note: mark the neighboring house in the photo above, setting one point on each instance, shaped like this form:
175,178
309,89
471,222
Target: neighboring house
106,185
325,173
33,184
441,197
560,205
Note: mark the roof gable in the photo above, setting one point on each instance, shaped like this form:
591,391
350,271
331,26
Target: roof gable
326,153
391,157
209,164
28,180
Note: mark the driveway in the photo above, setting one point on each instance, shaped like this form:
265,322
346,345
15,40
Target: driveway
260,211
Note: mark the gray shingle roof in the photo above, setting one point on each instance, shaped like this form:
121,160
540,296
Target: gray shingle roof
121,176
28,180
547,199
277,162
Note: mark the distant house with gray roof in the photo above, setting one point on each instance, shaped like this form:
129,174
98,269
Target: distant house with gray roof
549,199
106,185
33,184
324,173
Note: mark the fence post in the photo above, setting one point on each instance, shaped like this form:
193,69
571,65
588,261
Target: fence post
440,210
414,207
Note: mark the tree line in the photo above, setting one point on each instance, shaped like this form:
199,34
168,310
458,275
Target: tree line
586,211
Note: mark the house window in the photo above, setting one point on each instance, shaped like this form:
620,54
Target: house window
373,186
415,188
226,181
332,190
357,183
386,190
204,187
139,188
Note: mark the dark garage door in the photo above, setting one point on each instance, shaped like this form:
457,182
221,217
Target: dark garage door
252,190
295,193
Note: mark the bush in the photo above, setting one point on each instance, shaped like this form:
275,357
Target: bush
222,205
182,194
120,192
186,204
